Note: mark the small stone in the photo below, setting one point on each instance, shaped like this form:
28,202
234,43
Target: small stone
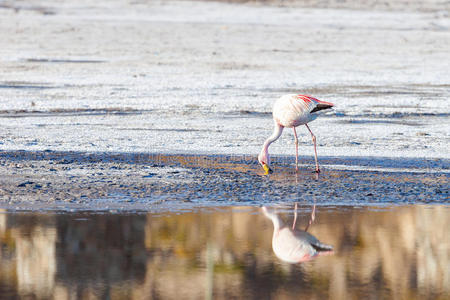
149,175
23,184
422,134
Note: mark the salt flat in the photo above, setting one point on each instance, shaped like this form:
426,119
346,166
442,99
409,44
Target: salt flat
200,77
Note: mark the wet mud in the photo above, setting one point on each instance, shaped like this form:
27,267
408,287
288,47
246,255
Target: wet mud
142,181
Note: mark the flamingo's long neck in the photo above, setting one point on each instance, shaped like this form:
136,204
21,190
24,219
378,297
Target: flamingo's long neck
277,130
277,222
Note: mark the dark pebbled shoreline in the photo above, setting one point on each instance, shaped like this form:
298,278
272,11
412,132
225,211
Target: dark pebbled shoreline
50,180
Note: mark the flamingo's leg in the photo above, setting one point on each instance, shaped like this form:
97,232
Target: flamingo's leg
296,149
315,148
312,218
295,216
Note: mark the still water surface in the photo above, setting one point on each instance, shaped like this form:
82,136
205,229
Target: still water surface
231,252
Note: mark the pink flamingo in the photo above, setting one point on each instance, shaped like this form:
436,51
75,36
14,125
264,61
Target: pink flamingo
294,245
292,111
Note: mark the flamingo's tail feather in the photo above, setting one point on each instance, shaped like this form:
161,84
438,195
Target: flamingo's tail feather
322,247
321,106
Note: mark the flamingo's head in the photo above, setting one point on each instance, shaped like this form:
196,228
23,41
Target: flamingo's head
264,160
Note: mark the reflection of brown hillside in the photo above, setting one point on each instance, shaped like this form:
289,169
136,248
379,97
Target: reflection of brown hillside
400,253
28,260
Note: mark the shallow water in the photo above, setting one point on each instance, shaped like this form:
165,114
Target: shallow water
222,253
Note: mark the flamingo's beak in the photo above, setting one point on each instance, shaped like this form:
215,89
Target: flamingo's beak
267,169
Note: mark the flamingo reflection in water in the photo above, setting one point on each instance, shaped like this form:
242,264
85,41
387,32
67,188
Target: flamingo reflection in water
294,245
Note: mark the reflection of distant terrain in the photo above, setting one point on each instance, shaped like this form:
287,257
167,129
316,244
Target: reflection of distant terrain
401,252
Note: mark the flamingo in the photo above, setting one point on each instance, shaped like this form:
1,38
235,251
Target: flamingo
291,111
293,245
